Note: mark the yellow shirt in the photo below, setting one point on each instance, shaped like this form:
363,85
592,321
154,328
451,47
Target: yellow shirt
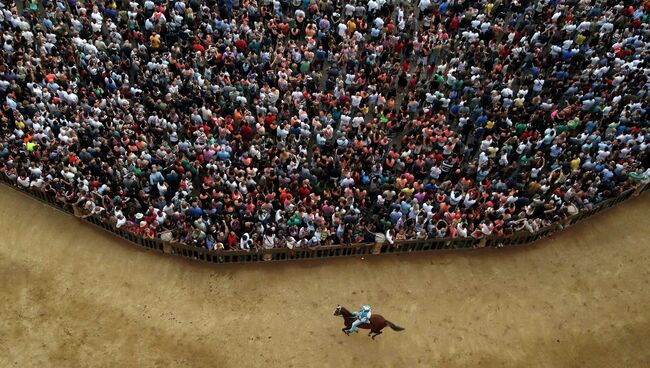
351,26
575,163
408,192
155,41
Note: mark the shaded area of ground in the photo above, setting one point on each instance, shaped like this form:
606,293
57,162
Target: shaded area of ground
74,296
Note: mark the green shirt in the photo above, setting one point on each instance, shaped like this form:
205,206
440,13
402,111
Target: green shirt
304,67
336,114
520,128
254,46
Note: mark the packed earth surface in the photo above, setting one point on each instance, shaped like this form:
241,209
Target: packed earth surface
75,296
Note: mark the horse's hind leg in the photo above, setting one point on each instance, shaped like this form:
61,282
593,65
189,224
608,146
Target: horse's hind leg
376,334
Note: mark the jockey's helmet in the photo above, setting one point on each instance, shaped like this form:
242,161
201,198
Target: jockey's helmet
366,308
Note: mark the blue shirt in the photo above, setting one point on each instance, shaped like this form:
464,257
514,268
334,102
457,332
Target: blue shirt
155,178
196,211
395,216
11,103
405,207
223,155
443,7
534,71
362,314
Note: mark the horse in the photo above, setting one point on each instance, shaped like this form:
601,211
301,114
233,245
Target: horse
377,322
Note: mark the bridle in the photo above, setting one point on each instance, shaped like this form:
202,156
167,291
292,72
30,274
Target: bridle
338,310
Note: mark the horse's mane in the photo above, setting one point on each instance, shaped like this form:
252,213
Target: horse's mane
344,311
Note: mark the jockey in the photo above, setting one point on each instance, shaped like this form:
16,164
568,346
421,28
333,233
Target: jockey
363,316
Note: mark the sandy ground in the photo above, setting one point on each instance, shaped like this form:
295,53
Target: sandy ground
74,296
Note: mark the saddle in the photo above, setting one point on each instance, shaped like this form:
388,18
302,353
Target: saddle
365,324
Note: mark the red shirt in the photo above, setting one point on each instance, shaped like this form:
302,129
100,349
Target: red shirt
232,240
247,132
269,119
198,47
304,192
241,45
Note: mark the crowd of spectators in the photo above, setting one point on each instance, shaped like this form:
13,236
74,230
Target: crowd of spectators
239,124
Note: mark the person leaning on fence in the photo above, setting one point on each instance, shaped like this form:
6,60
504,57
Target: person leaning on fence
84,211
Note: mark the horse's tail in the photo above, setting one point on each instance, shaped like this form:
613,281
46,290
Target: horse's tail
394,326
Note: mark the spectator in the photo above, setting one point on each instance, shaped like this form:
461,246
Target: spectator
231,125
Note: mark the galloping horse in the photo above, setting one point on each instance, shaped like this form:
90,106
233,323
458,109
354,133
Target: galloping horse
377,322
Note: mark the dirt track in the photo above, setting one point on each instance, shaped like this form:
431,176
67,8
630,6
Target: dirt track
74,296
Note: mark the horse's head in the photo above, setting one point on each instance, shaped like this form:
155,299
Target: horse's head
337,311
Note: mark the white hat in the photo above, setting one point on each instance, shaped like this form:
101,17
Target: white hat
139,216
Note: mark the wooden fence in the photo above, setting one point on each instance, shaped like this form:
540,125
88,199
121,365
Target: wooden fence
329,251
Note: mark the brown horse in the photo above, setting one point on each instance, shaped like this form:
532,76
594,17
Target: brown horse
377,322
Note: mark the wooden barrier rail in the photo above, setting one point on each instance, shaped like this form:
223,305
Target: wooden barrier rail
329,251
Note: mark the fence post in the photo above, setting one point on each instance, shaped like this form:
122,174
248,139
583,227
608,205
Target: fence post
641,188
482,243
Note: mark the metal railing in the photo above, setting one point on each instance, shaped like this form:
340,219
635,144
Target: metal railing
328,251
